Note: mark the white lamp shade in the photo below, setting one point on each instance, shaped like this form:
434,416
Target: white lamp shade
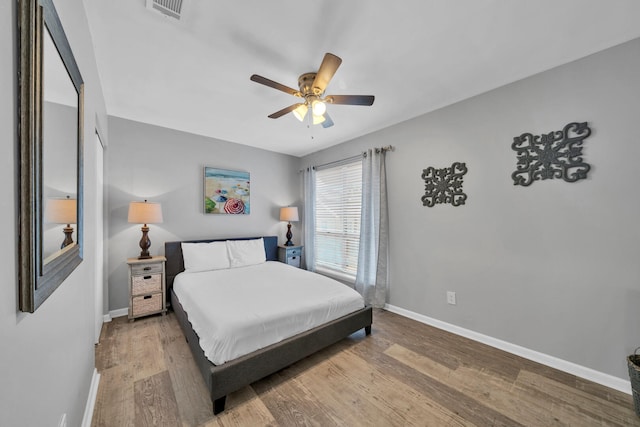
145,212
318,107
61,211
300,112
289,214
318,119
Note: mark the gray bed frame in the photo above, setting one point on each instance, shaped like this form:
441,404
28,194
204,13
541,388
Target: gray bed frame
235,374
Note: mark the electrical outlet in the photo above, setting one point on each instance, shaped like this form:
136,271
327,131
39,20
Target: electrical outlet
451,298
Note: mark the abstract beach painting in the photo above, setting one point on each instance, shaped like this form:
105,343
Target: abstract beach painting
226,191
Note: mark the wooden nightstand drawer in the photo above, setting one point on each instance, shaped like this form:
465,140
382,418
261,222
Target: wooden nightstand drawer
291,255
294,252
146,284
146,304
145,269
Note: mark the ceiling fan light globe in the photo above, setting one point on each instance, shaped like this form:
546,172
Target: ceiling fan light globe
318,119
318,108
300,112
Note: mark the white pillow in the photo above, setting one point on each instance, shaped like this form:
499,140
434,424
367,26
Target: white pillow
204,256
246,252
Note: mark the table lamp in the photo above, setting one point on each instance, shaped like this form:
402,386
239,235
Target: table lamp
145,213
62,211
290,213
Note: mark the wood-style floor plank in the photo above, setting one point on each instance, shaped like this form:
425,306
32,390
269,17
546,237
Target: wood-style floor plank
385,397
403,374
577,401
493,392
154,401
114,401
192,396
244,408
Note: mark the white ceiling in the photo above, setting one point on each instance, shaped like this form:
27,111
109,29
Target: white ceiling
414,55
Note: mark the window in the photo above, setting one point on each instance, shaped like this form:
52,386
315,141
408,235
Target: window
337,228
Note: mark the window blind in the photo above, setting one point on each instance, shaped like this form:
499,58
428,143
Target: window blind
337,228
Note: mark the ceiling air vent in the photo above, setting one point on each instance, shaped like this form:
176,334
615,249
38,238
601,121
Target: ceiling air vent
172,8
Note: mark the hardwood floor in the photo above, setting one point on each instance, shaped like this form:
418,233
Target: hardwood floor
403,374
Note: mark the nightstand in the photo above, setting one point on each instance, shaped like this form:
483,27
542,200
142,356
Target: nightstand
146,286
290,255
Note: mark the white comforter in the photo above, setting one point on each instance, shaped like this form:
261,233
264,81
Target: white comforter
240,310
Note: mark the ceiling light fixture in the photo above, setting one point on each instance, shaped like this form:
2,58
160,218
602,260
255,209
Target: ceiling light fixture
318,107
318,119
300,112
312,86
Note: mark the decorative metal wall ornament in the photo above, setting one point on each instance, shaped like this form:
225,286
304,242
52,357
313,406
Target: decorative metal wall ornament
444,185
557,154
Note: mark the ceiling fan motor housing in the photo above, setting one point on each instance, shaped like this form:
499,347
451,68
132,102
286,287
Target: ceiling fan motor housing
305,83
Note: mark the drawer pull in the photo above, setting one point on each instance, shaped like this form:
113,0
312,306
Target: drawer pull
147,277
147,296
147,268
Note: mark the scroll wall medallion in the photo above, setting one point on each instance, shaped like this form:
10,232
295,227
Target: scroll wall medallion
444,185
557,154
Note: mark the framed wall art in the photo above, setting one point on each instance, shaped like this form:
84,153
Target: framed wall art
226,192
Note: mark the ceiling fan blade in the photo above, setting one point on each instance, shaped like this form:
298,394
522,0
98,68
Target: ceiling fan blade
284,111
267,82
327,121
350,99
327,69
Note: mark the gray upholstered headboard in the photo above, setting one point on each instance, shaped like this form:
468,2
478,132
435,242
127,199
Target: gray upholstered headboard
175,263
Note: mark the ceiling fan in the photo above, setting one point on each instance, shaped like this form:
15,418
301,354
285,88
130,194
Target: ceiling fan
312,87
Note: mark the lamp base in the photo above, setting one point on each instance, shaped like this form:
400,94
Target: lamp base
289,236
145,243
68,231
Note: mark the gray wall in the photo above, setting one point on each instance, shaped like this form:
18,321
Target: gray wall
167,166
552,267
47,358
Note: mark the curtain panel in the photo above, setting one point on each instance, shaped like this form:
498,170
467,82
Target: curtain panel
373,257
309,216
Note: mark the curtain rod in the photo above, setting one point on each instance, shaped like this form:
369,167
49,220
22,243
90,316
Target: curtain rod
381,149
349,159
386,148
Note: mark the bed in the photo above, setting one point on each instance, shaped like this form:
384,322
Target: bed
230,375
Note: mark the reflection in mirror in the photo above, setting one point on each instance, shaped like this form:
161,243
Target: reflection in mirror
50,113
61,213
59,154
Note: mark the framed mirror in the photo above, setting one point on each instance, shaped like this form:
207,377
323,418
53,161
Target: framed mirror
50,111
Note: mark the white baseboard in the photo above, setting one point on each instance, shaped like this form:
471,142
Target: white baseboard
91,399
116,313
551,361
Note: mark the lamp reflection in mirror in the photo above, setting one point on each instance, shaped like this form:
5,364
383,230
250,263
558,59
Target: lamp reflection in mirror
62,211
145,213
290,213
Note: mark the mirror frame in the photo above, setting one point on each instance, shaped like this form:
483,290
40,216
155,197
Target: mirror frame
36,280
